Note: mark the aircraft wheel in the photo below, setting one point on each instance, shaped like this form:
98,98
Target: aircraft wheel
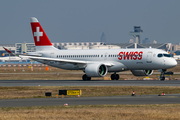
86,78
162,78
117,77
113,77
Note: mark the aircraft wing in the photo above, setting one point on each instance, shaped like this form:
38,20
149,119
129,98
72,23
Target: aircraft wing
37,57
46,59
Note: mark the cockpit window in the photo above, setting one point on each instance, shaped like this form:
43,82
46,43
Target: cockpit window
166,55
160,55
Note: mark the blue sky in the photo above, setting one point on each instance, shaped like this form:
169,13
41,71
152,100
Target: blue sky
86,20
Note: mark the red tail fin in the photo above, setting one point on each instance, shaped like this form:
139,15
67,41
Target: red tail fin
7,50
40,37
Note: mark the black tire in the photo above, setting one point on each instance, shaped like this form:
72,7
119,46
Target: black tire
89,78
162,78
113,77
117,77
86,78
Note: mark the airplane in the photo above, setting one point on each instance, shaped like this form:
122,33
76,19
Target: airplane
13,59
176,57
99,62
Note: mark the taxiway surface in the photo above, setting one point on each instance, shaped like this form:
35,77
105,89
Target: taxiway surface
87,83
144,99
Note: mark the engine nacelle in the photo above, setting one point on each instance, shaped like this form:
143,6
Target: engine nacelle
96,70
142,72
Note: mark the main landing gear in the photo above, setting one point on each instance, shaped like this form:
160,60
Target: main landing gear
86,78
115,76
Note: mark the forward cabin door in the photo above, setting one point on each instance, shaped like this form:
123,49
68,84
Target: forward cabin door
149,57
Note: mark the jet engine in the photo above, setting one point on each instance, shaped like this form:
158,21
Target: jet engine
96,70
142,72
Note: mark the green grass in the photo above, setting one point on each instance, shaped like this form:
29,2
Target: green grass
92,112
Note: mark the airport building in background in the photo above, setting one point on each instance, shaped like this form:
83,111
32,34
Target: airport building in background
103,38
25,47
146,41
136,34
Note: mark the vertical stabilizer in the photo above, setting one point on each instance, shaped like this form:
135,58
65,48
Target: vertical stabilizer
41,40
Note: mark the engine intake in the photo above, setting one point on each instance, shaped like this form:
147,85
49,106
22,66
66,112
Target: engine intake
142,72
96,70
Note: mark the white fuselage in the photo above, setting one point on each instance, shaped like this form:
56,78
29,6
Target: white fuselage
122,59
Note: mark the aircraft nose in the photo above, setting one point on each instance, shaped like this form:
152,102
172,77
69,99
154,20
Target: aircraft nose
173,63
170,63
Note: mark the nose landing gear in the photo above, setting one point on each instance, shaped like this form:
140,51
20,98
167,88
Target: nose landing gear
162,76
163,73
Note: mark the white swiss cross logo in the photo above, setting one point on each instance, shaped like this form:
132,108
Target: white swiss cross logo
38,34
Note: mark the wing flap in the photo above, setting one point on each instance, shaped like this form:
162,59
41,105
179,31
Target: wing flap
64,61
57,60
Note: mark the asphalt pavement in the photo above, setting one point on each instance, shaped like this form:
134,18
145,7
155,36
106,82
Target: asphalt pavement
111,100
88,83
